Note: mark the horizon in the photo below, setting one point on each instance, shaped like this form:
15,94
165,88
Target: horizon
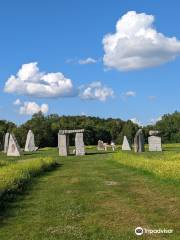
91,116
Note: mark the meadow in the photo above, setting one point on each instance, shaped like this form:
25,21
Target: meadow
102,195
15,174
164,165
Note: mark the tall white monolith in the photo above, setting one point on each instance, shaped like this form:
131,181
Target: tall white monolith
30,144
6,142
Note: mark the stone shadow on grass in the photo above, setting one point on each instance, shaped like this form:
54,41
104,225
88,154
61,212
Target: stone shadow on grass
96,153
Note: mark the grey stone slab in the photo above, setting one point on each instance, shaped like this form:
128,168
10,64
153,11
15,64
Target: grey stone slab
106,145
113,146
6,142
79,144
153,132
71,131
13,147
154,144
125,145
100,145
139,141
63,144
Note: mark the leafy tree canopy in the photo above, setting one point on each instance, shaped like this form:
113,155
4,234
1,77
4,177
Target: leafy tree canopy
46,128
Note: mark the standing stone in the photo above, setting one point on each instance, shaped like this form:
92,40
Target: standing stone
63,144
105,146
13,147
153,132
125,145
113,146
154,144
100,145
30,145
1,146
6,142
79,143
139,141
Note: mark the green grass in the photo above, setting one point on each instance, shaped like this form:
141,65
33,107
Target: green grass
95,197
163,165
14,174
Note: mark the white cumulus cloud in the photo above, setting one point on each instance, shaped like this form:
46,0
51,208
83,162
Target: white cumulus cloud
30,108
136,44
88,60
130,94
153,121
17,102
30,81
95,91
136,121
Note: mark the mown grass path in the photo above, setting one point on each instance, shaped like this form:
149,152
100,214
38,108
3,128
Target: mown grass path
92,197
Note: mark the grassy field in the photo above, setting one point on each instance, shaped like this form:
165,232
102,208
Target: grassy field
100,196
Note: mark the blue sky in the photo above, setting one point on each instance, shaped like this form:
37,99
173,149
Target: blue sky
60,35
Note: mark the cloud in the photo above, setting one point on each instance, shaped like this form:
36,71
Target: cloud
30,81
136,44
30,108
130,94
136,121
69,60
85,61
126,95
152,98
153,121
95,91
88,60
83,114
17,102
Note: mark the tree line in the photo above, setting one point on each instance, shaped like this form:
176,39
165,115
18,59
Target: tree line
46,128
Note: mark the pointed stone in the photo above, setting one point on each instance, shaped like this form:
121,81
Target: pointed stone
30,144
6,142
125,145
13,147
